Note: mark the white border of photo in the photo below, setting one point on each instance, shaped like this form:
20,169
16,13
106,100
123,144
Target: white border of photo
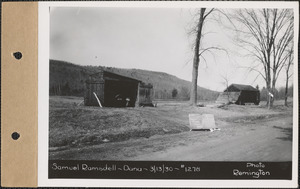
43,101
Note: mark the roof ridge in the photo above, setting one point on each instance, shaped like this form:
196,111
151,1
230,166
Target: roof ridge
242,87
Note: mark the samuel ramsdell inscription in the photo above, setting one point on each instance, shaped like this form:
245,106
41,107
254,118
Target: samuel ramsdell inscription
113,167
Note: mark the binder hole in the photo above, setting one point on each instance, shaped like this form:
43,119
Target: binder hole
17,55
15,135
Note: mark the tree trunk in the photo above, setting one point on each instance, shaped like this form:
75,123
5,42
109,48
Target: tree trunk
193,98
287,76
286,88
59,91
268,83
273,88
268,96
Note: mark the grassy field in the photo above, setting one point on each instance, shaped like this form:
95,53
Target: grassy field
73,125
80,132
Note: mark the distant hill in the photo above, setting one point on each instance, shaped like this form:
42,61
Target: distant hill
68,79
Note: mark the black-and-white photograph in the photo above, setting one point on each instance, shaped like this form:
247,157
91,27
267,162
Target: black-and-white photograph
171,85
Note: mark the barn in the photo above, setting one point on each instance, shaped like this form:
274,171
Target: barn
108,89
239,94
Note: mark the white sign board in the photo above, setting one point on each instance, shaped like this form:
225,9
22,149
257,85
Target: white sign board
202,121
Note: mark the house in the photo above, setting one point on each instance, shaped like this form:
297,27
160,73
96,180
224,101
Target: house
239,94
114,90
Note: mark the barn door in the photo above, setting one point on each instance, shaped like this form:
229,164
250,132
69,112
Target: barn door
145,94
98,88
92,88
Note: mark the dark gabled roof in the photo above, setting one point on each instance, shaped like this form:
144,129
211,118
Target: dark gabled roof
239,87
107,75
120,76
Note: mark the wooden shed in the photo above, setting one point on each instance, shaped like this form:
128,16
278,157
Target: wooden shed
114,90
239,94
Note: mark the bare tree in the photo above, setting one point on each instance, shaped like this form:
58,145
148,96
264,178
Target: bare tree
199,52
288,75
265,35
202,16
226,83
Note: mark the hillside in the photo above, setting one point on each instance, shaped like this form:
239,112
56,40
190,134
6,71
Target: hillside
68,79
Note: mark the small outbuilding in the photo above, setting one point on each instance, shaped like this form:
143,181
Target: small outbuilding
113,90
239,94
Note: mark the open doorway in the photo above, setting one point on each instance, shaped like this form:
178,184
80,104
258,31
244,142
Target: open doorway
120,93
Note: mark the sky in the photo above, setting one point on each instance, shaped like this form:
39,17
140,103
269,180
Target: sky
154,39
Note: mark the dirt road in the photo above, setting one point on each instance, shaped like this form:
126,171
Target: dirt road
269,141
265,139
248,133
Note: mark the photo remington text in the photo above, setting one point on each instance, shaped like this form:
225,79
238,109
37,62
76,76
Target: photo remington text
253,170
